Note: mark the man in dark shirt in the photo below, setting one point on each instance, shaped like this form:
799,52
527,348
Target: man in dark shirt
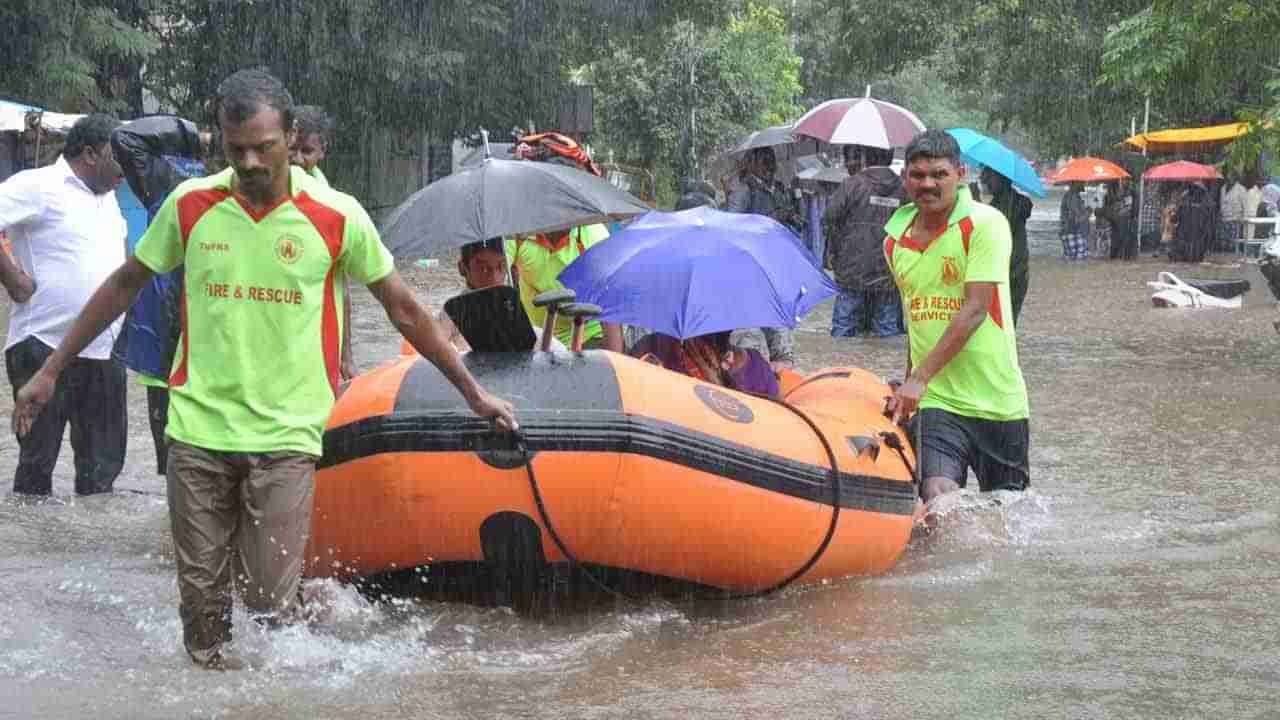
1016,208
868,300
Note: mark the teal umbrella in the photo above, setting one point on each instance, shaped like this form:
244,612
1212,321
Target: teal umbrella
978,149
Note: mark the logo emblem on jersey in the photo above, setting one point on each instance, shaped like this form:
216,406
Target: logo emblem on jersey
950,271
288,249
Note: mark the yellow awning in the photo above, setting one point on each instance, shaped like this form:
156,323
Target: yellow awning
1188,140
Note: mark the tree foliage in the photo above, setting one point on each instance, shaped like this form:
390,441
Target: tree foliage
668,100
1026,65
1199,60
373,62
1204,62
75,55
674,79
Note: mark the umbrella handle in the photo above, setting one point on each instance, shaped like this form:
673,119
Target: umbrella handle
581,313
552,300
548,328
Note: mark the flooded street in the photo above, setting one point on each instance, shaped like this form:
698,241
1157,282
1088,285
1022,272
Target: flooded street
1136,579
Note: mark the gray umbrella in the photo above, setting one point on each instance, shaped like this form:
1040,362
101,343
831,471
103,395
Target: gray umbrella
502,151
768,137
499,198
786,148
836,175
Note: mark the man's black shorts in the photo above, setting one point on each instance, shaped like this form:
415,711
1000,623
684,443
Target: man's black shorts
996,450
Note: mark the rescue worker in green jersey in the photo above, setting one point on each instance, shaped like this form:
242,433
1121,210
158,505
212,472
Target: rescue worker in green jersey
255,376
949,256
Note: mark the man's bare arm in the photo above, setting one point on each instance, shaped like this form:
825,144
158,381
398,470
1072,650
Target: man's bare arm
17,283
426,336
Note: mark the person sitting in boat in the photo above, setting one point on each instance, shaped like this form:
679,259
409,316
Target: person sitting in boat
712,359
481,265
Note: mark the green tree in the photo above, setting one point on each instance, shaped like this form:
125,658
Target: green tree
1028,66
1199,60
1204,62
75,55
665,100
755,56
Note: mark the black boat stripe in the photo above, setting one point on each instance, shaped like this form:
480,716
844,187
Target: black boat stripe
613,431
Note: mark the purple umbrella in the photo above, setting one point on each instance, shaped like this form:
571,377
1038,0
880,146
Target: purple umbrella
860,121
700,271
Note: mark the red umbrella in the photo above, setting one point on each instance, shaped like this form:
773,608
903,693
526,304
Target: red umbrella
860,121
1088,170
1182,170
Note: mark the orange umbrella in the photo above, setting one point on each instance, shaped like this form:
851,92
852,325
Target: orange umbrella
1088,169
1182,170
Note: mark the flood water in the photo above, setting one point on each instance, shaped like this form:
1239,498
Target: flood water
1137,579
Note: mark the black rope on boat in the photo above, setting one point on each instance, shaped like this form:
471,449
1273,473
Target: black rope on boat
835,513
892,440
551,528
813,559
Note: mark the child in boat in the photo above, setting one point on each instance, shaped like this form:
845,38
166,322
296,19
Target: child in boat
712,359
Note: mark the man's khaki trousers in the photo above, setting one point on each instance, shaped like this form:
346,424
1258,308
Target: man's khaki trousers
242,518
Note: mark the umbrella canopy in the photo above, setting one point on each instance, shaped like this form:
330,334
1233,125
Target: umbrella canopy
836,175
1188,140
502,197
1182,170
860,121
477,155
768,137
1088,169
700,271
978,149
786,149
13,116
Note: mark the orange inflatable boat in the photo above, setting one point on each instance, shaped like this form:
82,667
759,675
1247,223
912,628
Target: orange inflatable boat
621,466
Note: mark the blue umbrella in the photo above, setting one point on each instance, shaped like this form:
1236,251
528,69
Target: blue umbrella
979,149
700,271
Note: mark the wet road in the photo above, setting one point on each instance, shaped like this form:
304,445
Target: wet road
1137,579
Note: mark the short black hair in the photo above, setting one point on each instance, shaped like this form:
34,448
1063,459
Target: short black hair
879,157
935,145
244,93
693,199
313,120
89,131
761,153
470,250
718,340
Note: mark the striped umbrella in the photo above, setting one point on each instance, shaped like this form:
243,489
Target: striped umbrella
860,121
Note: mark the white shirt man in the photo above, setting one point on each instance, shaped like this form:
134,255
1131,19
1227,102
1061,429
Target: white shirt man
1233,201
67,236
69,239
1252,209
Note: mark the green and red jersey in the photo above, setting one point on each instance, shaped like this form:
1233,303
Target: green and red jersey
539,262
257,364
983,380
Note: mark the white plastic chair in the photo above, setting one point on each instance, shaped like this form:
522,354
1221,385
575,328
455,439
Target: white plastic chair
1172,292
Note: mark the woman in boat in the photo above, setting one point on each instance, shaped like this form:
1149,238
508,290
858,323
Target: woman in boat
712,359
